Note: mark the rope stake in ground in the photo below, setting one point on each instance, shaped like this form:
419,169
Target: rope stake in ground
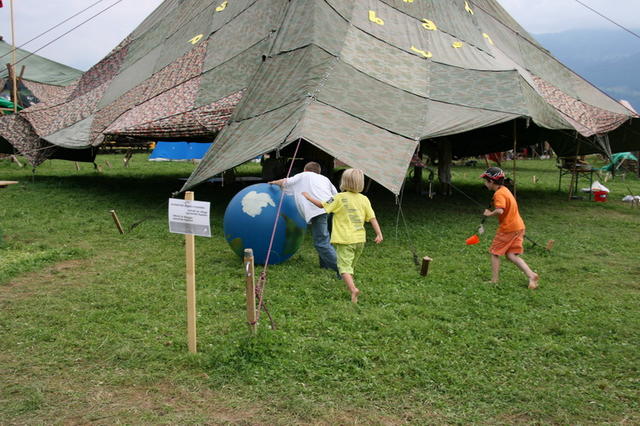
116,220
412,247
262,305
262,282
250,290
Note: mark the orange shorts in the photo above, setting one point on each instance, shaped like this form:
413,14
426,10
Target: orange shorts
507,242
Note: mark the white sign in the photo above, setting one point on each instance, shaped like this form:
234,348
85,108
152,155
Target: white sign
189,217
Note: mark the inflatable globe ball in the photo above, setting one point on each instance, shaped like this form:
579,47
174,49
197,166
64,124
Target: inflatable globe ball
249,219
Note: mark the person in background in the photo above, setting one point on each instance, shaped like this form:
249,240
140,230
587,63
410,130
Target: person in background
350,211
510,234
311,181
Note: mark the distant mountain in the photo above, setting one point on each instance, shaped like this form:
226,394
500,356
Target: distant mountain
609,59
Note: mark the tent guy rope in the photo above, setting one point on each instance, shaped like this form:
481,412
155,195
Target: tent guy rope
262,281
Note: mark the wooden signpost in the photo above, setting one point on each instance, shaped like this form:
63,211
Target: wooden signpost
190,218
190,249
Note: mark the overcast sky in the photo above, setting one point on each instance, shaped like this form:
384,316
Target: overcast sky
88,44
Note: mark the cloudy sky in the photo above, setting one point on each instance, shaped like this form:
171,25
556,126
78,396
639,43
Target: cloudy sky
88,44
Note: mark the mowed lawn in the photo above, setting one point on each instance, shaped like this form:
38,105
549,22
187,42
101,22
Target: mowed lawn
93,323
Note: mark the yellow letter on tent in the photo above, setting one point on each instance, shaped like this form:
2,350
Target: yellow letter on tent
468,8
429,25
222,7
374,18
196,39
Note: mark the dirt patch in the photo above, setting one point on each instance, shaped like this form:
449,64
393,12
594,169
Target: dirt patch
166,403
52,277
161,403
69,400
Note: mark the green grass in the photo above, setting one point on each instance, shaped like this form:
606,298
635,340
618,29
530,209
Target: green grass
93,329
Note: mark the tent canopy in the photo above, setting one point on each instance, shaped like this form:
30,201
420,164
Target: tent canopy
363,81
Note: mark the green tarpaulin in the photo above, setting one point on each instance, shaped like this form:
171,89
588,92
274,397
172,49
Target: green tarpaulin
618,158
5,104
37,68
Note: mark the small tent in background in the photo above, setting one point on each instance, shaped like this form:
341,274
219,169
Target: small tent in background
362,81
39,80
179,151
42,79
618,159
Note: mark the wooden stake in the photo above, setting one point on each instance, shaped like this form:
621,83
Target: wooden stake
114,215
127,157
13,95
107,163
77,166
190,249
424,270
249,269
15,160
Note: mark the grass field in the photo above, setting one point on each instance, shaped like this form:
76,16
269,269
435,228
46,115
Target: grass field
93,323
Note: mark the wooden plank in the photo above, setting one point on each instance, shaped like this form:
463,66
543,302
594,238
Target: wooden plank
5,183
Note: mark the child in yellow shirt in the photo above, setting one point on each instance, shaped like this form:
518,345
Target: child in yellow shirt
350,211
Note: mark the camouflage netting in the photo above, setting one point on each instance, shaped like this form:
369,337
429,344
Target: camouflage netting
362,80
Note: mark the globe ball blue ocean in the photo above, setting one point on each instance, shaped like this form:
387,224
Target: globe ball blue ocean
249,220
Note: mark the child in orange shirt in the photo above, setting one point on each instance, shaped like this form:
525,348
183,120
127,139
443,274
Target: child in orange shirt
510,234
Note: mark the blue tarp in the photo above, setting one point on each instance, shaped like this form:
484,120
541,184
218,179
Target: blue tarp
177,151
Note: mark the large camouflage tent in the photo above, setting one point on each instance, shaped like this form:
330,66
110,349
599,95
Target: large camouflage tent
362,80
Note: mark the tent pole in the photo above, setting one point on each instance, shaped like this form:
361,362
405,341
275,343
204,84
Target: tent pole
515,155
574,172
13,62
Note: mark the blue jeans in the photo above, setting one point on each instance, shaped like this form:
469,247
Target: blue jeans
321,241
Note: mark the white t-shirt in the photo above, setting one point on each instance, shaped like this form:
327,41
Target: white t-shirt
318,186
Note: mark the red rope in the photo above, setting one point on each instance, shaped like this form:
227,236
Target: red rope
263,275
